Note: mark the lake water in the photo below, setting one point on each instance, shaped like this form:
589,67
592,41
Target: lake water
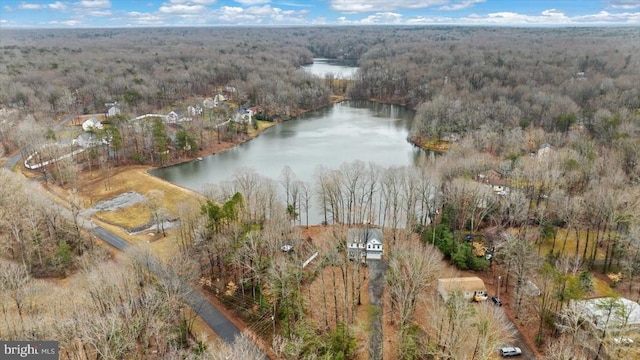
338,68
332,136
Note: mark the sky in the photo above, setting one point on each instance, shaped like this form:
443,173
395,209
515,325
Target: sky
164,13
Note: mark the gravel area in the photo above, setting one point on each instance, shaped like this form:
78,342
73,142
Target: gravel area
121,201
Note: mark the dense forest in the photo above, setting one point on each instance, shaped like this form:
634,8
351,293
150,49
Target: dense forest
542,131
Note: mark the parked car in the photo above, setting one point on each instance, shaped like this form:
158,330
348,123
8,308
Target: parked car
496,301
622,341
510,351
480,296
286,248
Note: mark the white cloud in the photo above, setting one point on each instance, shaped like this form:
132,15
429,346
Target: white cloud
265,10
459,5
193,2
57,6
624,4
231,10
28,6
382,18
549,17
95,3
606,17
181,9
252,2
143,19
383,5
72,22
99,13
265,14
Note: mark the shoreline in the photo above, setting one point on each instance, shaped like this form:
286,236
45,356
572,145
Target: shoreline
438,146
227,145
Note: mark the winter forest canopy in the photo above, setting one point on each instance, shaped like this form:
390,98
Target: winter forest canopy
549,117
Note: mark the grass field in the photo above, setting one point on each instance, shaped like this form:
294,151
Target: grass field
95,187
572,239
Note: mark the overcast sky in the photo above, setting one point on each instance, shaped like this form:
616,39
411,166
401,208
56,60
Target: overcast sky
144,13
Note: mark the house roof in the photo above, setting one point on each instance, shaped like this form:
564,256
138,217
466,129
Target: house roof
492,177
447,285
363,235
625,312
208,103
91,123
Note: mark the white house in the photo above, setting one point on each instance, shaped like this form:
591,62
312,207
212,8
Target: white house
86,140
194,110
113,110
91,124
364,243
244,115
174,116
219,98
209,103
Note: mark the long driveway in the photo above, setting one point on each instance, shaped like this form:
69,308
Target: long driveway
377,269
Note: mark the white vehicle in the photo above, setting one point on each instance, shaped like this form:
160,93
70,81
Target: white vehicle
622,341
286,248
510,351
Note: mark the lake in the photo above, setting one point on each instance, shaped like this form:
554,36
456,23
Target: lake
338,134
339,68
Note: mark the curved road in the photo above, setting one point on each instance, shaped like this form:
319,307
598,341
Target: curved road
215,319
209,313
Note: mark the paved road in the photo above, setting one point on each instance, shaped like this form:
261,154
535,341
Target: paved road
13,160
225,329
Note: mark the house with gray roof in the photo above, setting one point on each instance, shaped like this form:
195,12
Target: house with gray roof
364,244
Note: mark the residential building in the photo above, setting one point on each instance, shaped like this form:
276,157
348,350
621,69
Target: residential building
364,244
113,109
92,124
471,288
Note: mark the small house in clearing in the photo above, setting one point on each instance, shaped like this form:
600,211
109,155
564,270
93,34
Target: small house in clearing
92,124
174,116
113,109
364,244
194,110
471,288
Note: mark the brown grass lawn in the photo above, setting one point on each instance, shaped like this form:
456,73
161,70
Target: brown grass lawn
262,125
136,179
132,178
129,217
95,187
571,240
